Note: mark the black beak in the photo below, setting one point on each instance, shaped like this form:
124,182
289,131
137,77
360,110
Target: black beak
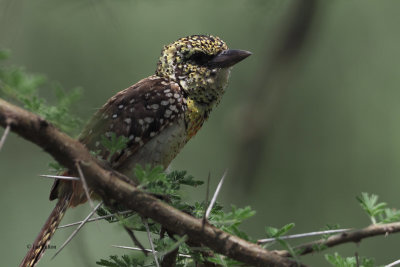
228,58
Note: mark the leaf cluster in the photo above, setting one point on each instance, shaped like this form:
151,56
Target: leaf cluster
113,144
168,186
230,221
22,87
378,212
277,233
339,261
123,261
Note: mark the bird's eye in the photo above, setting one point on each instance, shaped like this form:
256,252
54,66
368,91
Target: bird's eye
200,58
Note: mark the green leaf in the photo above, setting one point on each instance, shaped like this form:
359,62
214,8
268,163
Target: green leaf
370,205
172,246
230,221
222,260
275,232
22,87
56,167
390,215
124,261
113,143
288,247
339,261
378,211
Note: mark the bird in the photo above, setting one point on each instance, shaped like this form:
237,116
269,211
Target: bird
157,116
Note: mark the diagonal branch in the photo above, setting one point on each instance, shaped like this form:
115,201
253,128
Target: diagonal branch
354,236
117,188
286,237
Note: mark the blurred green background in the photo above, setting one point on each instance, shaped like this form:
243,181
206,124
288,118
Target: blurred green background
308,122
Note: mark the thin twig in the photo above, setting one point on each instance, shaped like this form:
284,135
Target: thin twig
77,229
393,263
214,198
148,250
327,232
346,237
153,250
134,239
61,177
84,184
95,219
5,134
207,196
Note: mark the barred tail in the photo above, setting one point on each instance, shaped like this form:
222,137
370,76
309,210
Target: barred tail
43,239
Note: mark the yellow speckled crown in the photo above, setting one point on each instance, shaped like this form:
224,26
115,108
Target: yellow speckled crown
181,61
208,44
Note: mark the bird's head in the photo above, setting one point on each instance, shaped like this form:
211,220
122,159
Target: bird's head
201,65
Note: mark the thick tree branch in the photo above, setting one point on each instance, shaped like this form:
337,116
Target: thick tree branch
354,236
115,187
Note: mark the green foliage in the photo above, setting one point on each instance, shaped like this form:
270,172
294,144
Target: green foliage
139,260
22,87
329,227
102,211
389,215
167,187
230,221
338,261
154,180
276,233
165,246
273,232
377,211
370,205
113,143
123,261
55,167
147,176
224,261
321,247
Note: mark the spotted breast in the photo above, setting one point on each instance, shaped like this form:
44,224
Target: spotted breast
151,114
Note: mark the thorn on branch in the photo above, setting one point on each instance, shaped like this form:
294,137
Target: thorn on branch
207,195
148,250
214,198
61,177
146,225
84,184
95,219
327,232
77,230
5,134
393,263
